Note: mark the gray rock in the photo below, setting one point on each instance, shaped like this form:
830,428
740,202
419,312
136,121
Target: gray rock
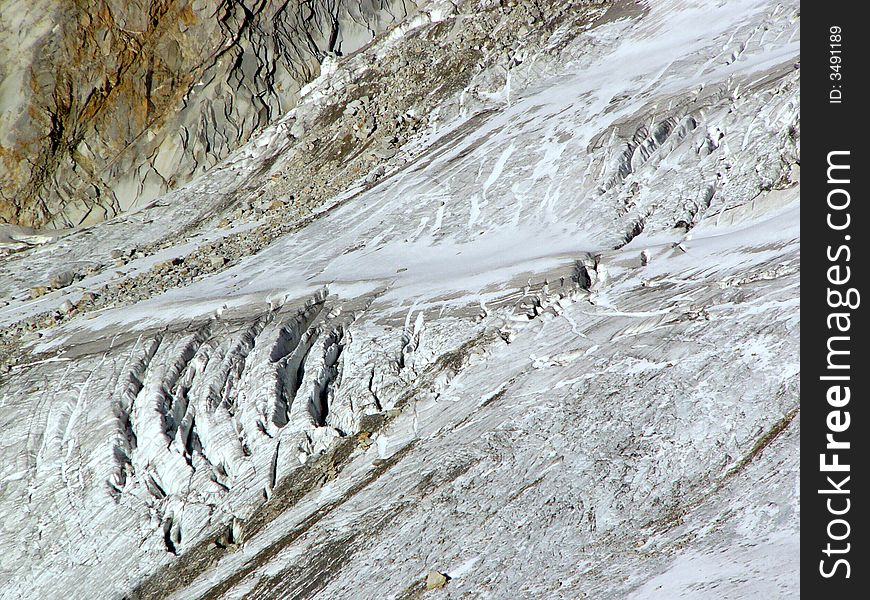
217,262
61,280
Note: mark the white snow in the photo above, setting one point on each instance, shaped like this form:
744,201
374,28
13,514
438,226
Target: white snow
589,455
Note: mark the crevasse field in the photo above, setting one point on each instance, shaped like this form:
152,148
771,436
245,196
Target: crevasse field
546,344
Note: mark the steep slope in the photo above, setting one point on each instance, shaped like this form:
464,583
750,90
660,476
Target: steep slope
108,104
512,294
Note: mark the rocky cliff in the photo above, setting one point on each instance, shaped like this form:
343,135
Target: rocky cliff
107,104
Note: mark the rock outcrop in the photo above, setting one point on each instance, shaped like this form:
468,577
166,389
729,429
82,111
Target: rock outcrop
107,104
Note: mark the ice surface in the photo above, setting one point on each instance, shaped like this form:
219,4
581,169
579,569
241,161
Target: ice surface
465,367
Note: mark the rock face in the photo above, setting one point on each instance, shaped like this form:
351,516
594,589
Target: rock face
107,104
521,311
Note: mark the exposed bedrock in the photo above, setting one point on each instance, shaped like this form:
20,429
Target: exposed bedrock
107,104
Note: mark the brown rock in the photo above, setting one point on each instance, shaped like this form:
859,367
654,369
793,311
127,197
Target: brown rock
435,580
90,106
39,290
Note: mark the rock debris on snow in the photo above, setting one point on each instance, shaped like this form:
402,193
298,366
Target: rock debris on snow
502,293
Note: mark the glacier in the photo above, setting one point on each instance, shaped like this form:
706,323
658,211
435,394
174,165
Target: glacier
510,295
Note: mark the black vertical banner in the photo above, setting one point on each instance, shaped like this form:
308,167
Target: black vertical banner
834,368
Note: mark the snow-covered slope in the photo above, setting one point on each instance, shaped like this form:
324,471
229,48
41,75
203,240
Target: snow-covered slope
535,329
